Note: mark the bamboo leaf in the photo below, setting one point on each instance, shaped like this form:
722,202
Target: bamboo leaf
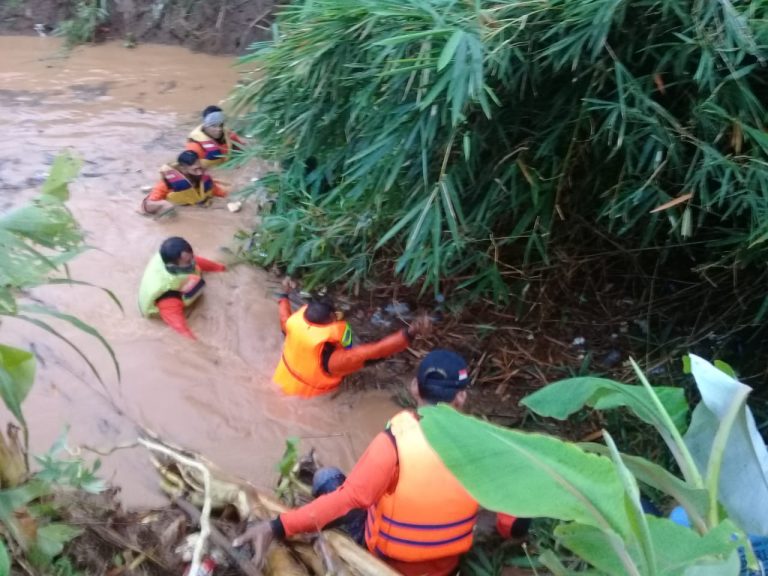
72,282
65,168
449,51
48,328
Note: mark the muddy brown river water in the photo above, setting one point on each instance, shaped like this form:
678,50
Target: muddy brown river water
126,112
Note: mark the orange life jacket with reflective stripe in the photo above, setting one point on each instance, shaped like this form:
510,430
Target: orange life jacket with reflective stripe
429,515
214,152
182,191
300,371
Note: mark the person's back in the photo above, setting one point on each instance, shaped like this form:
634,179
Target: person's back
429,515
310,336
318,351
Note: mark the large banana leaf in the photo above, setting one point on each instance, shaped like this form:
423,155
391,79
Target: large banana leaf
694,500
527,475
533,475
5,560
663,407
561,399
743,478
678,550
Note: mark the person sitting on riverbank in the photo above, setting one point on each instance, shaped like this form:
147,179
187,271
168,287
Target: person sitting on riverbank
420,519
318,351
183,183
211,141
172,281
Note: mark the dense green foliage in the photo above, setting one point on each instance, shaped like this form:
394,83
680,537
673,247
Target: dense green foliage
594,490
460,139
87,16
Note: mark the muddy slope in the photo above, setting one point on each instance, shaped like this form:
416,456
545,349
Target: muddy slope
213,26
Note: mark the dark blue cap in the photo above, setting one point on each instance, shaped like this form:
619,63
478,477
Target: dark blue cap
441,375
326,480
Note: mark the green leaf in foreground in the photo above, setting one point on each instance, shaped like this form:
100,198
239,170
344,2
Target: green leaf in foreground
52,538
565,397
694,500
65,168
5,561
542,476
17,374
743,480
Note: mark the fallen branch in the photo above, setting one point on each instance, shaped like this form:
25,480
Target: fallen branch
205,516
248,568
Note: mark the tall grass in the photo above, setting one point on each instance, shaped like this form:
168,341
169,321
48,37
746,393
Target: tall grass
459,138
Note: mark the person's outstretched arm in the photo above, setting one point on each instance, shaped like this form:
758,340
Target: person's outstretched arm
209,265
345,361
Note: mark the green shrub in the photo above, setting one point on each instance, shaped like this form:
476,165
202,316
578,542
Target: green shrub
81,28
460,139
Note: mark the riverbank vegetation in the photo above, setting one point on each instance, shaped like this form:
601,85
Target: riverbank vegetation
599,154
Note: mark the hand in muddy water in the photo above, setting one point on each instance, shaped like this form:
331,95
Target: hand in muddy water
288,284
260,536
421,326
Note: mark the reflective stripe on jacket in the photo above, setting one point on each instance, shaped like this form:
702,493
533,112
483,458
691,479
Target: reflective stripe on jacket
182,191
214,153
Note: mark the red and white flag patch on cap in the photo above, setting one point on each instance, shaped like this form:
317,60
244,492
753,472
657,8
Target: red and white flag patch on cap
463,374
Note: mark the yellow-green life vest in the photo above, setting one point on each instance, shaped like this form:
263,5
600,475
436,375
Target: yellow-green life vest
157,281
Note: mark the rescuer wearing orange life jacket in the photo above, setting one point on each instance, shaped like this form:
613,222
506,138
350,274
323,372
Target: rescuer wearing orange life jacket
185,183
172,281
318,351
211,141
420,520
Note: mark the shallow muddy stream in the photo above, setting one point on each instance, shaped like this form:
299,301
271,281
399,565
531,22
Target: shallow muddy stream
126,112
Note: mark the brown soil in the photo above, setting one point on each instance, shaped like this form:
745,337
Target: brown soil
511,357
213,26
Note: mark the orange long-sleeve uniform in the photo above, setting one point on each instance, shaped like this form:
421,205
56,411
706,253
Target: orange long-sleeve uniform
161,191
346,361
171,307
375,474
